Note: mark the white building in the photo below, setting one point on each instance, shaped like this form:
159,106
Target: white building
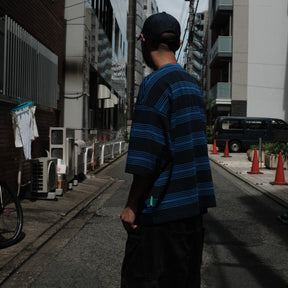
249,57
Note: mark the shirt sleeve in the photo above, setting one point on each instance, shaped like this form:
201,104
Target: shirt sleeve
148,140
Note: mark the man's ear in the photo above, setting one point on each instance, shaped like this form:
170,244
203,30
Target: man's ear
143,39
180,43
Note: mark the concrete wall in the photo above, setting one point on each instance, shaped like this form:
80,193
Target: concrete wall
240,50
75,35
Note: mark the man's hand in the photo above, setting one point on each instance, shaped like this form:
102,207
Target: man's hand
139,190
128,218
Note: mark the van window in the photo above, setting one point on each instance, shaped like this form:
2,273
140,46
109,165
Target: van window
279,124
256,125
234,124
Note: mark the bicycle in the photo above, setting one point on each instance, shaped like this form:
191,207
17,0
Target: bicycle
11,216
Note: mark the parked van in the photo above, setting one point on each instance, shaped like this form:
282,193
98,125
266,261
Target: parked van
242,132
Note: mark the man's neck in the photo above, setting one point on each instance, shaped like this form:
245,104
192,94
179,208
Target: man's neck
161,58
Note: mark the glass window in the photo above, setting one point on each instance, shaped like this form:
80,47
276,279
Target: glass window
117,38
232,124
256,124
279,124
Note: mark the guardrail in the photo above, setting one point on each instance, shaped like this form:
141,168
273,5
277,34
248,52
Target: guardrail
96,154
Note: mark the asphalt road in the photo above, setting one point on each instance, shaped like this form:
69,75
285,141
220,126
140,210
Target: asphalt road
245,246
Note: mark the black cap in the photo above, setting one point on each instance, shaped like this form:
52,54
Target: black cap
157,24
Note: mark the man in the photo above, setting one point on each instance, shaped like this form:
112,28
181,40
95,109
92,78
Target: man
172,185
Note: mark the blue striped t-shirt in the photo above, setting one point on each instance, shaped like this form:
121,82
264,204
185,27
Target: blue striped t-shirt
168,142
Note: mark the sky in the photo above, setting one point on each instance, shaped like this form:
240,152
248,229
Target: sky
180,8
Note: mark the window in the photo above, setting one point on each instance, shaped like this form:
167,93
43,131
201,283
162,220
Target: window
2,37
232,124
104,12
279,124
117,38
256,124
89,3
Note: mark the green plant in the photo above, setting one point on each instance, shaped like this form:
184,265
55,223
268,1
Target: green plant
276,148
209,134
252,147
273,148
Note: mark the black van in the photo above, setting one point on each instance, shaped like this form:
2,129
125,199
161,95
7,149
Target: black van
241,132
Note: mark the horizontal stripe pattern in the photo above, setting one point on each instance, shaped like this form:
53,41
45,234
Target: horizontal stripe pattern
169,123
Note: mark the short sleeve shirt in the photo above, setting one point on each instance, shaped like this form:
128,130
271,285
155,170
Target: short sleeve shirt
168,142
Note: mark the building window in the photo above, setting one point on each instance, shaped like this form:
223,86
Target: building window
104,12
117,38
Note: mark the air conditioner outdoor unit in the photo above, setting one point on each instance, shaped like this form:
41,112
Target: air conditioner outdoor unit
44,174
80,147
61,146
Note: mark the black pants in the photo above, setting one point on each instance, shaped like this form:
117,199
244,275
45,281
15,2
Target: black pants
163,256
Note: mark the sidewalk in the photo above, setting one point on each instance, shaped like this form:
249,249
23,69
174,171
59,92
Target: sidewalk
44,218
238,165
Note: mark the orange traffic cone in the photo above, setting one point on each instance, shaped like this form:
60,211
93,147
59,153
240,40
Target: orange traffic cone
226,151
255,164
214,148
279,178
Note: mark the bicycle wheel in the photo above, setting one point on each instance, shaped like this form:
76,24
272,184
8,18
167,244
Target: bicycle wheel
11,216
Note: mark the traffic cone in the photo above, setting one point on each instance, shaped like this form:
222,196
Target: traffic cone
279,178
255,164
214,148
226,151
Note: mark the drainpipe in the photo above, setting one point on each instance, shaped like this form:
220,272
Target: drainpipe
131,35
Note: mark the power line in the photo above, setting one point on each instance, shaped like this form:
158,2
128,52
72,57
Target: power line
191,25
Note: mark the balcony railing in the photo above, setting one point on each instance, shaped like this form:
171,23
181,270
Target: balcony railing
221,48
199,33
196,75
220,6
197,43
197,65
224,4
221,93
198,54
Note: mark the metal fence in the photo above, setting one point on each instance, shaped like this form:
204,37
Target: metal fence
30,70
97,154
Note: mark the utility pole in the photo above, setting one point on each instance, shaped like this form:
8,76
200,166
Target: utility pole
131,37
190,36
